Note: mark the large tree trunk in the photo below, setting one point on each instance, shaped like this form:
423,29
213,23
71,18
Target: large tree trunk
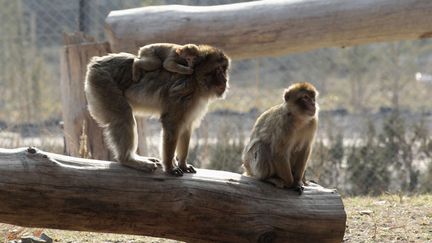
39,189
264,28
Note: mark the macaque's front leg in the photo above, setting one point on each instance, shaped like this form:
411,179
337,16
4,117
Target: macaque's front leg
170,134
182,152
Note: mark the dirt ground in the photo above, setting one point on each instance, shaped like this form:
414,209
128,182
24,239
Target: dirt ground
388,218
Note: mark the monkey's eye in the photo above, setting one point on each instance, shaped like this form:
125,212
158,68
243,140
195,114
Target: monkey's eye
307,98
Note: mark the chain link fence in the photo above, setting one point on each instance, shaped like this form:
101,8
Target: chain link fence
375,119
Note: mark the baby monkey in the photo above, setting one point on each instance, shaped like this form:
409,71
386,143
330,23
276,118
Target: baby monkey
174,58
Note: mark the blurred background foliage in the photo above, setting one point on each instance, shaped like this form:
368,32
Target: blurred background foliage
376,109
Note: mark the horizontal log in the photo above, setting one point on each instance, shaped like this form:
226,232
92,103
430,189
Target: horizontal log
272,28
40,189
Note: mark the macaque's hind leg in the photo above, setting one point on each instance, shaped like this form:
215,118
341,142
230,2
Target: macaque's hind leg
111,110
284,172
122,137
258,161
279,183
182,152
147,64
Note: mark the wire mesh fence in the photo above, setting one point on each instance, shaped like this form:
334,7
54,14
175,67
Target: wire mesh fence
375,119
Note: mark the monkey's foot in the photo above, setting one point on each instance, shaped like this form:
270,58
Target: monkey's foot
188,169
279,183
142,163
299,189
154,160
175,171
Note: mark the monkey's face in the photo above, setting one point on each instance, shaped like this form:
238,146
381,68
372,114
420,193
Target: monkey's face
306,102
213,73
190,53
191,60
220,80
301,97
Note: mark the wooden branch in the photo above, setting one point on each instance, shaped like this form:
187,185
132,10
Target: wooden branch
40,189
271,28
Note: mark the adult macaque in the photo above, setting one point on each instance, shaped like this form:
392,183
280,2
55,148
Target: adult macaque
282,138
174,58
180,101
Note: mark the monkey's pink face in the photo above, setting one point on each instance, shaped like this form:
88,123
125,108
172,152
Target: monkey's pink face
212,72
220,80
216,78
306,101
191,60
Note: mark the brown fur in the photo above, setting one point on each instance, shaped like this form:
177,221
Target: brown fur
174,58
282,138
180,101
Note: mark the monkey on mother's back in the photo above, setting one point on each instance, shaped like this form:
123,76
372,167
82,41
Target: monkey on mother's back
180,100
170,56
282,139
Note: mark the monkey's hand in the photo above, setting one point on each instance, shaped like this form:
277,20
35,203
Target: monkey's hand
188,70
188,169
175,171
299,188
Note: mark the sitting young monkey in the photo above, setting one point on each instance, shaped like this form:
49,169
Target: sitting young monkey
174,58
282,138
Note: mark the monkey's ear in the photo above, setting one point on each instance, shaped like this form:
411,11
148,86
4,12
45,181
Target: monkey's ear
287,95
178,51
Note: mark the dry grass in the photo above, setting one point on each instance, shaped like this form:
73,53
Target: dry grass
388,218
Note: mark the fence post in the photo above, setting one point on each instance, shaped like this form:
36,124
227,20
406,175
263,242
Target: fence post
83,137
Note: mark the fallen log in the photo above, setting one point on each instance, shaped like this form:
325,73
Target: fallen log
40,189
272,28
